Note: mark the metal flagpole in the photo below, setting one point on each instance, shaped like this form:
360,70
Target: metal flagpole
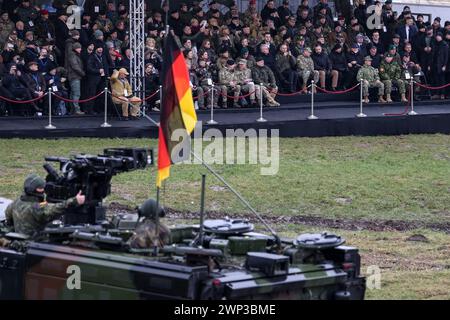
312,116
361,114
237,194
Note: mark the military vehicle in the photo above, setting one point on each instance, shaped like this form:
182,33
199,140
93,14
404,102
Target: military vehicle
86,254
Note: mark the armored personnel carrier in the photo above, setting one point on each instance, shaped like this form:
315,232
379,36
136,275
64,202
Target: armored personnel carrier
86,254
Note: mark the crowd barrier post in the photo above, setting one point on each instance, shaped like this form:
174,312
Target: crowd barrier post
160,97
212,121
106,124
361,114
50,125
312,116
261,118
412,112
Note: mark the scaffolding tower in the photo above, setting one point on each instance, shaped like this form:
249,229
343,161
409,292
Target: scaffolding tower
137,45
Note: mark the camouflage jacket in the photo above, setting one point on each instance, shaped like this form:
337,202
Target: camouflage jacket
283,62
305,64
226,77
264,75
390,71
29,215
242,76
147,237
368,73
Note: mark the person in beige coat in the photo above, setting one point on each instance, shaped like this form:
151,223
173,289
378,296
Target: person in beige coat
122,94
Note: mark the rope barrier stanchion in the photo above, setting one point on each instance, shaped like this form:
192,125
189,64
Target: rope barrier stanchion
361,114
261,118
412,112
312,116
212,121
50,126
106,124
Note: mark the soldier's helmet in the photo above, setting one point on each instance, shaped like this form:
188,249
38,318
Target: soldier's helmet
33,182
150,209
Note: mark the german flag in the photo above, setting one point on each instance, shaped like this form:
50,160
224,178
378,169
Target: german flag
178,111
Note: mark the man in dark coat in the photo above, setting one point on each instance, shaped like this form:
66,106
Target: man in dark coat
439,65
96,71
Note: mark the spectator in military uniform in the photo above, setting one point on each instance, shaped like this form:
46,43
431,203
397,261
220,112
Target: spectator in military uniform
229,84
30,213
391,74
244,78
205,77
305,67
285,64
370,78
197,89
265,82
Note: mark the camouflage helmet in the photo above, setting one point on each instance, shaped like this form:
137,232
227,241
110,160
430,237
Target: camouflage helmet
33,182
150,209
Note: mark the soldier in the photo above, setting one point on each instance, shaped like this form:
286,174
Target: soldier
370,79
228,82
244,78
305,66
205,77
148,233
262,74
197,89
30,213
391,73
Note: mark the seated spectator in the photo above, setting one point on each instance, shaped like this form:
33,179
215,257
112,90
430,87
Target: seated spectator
305,67
266,85
285,64
391,74
152,83
323,65
229,84
244,79
122,94
376,57
370,78
354,61
338,62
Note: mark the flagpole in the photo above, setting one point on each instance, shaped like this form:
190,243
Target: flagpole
237,194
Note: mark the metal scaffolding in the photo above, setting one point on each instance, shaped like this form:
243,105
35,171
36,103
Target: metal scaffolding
137,45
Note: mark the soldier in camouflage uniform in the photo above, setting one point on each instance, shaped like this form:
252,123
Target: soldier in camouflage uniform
305,67
262,74
205,77
391,73
30,213
370,79
149,233
244,78
229,83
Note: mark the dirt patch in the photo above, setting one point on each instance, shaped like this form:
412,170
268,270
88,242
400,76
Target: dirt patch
418,238
345,224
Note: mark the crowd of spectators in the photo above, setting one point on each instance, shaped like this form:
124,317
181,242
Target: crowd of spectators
235,51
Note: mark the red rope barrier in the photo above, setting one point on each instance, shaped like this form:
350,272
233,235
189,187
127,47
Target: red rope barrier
238,97
152,95
23,101
201,95
289,94
433,88
337,92
78,101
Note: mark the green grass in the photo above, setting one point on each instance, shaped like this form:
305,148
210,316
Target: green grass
404,178
400,178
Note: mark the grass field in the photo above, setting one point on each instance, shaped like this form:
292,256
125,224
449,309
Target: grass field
378,180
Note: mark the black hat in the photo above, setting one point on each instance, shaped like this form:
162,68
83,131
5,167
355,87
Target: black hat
396,36
231,62
259,58
439,34
437,19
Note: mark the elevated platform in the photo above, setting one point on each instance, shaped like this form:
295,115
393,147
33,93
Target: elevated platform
336,118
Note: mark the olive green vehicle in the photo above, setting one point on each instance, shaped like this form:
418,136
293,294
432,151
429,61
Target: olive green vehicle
86,254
